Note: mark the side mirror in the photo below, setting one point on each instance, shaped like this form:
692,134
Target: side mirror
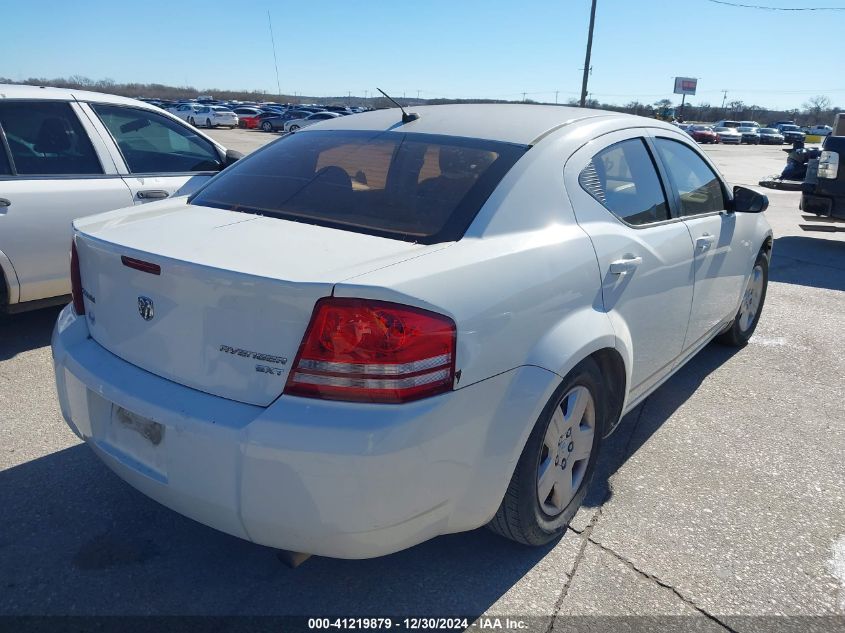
749,201
232,156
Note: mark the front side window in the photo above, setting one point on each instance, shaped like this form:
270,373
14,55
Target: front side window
623,178
700,190
415,187
46,138
152,143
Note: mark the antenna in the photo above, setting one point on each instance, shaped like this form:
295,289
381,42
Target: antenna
275,61
407,117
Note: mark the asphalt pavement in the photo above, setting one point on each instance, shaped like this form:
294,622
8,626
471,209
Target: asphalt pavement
720,498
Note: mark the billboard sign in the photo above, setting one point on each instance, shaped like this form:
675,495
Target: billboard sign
685,85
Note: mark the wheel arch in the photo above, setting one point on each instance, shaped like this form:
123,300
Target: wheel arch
9,285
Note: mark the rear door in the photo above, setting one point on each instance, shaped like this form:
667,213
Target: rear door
160,157
58,169
721,266
644,254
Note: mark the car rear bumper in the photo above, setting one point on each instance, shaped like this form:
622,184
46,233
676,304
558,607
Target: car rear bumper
331,478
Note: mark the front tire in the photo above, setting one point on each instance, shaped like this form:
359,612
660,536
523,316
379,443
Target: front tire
267,126
746,319
191,121
293,128
208,124
557,462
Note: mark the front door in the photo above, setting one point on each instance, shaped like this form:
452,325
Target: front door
164,158
720,267
644,254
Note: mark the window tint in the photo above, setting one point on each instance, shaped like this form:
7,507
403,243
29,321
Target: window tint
417,187
623,178
46,138
5,167
152,143
699,188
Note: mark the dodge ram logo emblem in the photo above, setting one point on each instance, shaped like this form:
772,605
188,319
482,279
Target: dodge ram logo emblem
146,308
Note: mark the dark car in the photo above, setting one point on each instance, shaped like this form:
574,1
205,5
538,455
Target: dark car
703,134
750,135
770,136
276,123
791,133
823,191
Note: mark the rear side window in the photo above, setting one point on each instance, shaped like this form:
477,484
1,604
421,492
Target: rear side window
152,143
5,166
700,190
46,138
623,178
416,187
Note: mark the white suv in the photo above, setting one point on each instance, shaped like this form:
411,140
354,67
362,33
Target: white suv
67,153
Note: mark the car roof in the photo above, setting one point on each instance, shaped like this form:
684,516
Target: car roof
522,124
16,91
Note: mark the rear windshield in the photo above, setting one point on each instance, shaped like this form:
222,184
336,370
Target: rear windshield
415,187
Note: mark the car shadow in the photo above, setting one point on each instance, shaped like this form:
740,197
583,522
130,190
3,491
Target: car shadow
826,258
75,539
26,331
645,420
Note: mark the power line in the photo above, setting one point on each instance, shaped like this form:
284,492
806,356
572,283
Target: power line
275,61
767,8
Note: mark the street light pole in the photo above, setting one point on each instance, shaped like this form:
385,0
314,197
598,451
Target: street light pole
587,59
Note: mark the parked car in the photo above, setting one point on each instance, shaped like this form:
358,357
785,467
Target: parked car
73,153
186,111
703,134
294,124
213,116
791,133
354,393
825,195
247,117
770,136
277,123
750,135
753,124
819,130
729,135
727,123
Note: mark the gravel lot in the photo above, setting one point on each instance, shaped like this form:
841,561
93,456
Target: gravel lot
720,497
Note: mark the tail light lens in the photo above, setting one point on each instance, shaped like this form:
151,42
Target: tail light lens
828,165
373,351
76,281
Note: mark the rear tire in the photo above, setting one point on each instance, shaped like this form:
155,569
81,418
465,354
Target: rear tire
522,516
191,121
208,124
753,298
267,126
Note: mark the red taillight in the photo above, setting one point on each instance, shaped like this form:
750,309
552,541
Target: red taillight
373,351
76,280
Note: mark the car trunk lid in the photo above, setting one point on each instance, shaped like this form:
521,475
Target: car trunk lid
227,309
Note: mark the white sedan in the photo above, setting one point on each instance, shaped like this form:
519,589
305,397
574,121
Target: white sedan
729,135
213,116
384,328
294,124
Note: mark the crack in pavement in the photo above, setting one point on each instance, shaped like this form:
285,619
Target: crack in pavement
586,533
662,583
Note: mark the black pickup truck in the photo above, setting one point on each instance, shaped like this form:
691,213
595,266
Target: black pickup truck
823,191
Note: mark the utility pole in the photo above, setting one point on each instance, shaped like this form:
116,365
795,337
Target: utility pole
523,96
724,98
587,58
366,92
556,91
418,94
275,61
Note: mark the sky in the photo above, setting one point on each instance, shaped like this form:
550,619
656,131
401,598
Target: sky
438,48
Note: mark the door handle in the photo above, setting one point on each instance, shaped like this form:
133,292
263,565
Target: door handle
152,194
5,202
704,242
625,266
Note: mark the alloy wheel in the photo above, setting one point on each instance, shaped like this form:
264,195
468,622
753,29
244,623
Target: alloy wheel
751,299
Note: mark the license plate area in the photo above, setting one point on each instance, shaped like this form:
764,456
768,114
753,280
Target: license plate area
136,441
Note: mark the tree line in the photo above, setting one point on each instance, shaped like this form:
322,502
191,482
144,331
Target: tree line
816,110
